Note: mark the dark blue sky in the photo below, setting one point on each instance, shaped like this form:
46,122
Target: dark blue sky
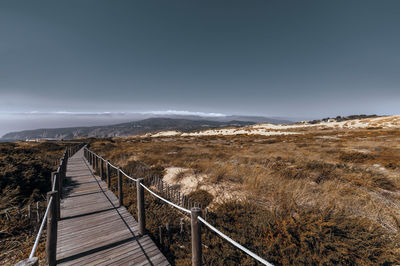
273,58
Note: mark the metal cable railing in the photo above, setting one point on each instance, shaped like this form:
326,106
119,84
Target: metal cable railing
212,228
233,242
113,166
41,229
165,200
125,174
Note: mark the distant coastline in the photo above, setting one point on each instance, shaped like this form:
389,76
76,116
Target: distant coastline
7,140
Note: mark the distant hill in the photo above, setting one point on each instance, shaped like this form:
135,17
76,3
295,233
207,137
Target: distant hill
123,129
256,119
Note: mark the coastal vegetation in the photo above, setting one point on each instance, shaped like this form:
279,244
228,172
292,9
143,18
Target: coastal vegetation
320,197
25,171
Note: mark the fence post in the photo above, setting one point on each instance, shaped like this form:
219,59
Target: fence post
51,244
55,176
60,180
108,174
161,235
168,235
37,212
140,206
196,236
64,172
101,169
182,227
120,194
29,212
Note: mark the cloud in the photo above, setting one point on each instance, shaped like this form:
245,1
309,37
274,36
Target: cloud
167,112
176,112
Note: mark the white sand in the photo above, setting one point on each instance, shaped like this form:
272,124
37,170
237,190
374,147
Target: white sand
238,131
267,129
187,184
166,133
190,182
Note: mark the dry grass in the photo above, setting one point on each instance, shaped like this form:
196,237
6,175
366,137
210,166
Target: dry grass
346,181
25,170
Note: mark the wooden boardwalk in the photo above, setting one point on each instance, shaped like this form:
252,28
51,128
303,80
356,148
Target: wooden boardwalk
93,229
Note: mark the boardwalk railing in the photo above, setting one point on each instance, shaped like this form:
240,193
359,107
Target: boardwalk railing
52,213
98,164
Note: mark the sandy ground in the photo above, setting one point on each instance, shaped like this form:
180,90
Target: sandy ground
267,129
191,182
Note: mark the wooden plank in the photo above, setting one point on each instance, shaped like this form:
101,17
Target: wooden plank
94,229
122,251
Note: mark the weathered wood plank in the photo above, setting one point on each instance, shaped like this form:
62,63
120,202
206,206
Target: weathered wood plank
94,229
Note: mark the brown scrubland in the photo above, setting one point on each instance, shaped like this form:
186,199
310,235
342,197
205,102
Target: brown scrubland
25,170
323,196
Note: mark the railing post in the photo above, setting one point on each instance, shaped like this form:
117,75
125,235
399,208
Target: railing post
161,235
120,194
63,168
101,169
108,174
37,212
29,212
60,180
55,176
196,236
51,244
140,206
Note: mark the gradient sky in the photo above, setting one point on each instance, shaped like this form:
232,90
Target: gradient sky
273,58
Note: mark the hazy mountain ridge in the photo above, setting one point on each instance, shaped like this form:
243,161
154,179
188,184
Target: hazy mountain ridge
123,129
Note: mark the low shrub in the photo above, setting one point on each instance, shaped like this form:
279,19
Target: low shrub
355,157
201,196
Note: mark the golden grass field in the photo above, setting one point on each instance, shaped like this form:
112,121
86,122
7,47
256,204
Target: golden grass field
322,195
326,195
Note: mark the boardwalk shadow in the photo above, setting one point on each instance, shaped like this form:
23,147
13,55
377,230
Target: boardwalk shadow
92,251
68,186
86,214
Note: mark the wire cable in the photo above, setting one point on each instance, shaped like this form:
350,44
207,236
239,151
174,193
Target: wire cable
167,201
